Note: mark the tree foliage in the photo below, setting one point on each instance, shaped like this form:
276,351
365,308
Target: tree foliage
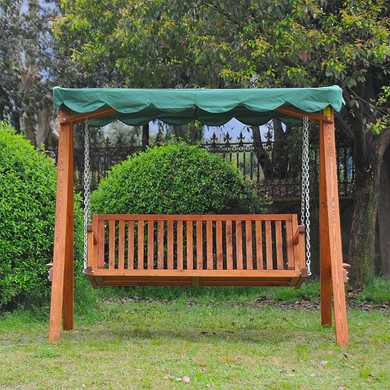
225,43
27,209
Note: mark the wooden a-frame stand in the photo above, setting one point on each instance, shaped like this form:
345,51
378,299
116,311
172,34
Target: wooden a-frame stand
332,279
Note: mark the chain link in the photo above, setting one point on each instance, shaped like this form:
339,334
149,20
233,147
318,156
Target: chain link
87,193
305,202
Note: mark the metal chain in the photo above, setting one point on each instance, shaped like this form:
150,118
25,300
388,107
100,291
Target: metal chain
87,194
305,201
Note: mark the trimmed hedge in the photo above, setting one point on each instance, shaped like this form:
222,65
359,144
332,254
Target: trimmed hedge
175,179
27,213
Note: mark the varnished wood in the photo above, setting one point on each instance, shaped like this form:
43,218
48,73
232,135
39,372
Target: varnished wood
229,244
289,245
268,244
121,245
141,240
150,244
239,254
63,234
259,245
190,245
325,265
219,243
179,228
199,245
209,243
170,245
160,244
68,303
249,248
334,230
279,244
111,245
130,254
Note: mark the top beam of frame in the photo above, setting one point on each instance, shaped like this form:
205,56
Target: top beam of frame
104,111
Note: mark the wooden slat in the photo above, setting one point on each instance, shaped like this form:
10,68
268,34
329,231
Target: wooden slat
179,228
289,245
164,273
259,245
268,244
160,245
190,245
218,233
102,239
279,244
199,245
209,243
239,257
141,238
170,245
294,223
195,217
111,245
130,245
150,244
249,248
229,245
121,245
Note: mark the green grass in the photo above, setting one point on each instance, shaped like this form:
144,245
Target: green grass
219,338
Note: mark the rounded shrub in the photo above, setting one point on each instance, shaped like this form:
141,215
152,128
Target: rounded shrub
174,179
27,213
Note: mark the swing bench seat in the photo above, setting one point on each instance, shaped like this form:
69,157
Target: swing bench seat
196,250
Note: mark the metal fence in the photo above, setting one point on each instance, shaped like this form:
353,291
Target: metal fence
275,175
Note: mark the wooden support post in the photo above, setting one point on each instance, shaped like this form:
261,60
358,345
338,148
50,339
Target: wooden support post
325,267
330,232
62,285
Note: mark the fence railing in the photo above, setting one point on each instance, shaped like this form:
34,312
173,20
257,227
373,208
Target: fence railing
273,168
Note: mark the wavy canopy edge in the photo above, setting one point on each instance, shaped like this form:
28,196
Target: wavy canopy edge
212,107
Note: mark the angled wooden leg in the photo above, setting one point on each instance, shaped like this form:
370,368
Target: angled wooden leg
63,234
325,267
68,304
334,231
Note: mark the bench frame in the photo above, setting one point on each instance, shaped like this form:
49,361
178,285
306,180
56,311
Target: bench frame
207,268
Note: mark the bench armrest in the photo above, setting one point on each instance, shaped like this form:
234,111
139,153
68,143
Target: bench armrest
300,230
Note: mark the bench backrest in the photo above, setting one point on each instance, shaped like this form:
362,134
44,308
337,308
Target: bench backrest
194,242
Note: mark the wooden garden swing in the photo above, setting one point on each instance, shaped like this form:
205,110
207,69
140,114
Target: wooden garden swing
204,250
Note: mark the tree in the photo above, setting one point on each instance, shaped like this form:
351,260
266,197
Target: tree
164,43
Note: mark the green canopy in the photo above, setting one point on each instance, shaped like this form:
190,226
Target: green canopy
210,106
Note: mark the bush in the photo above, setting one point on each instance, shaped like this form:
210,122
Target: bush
27,212
174,179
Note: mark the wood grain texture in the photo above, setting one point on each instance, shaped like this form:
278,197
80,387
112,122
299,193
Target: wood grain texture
63,233
268,245
335,248
325,265
130,242
121,245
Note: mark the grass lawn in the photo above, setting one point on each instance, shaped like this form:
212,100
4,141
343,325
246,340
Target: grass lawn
162,343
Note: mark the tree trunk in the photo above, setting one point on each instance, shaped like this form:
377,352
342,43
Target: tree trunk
145,136
261,154
384,213
362,244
